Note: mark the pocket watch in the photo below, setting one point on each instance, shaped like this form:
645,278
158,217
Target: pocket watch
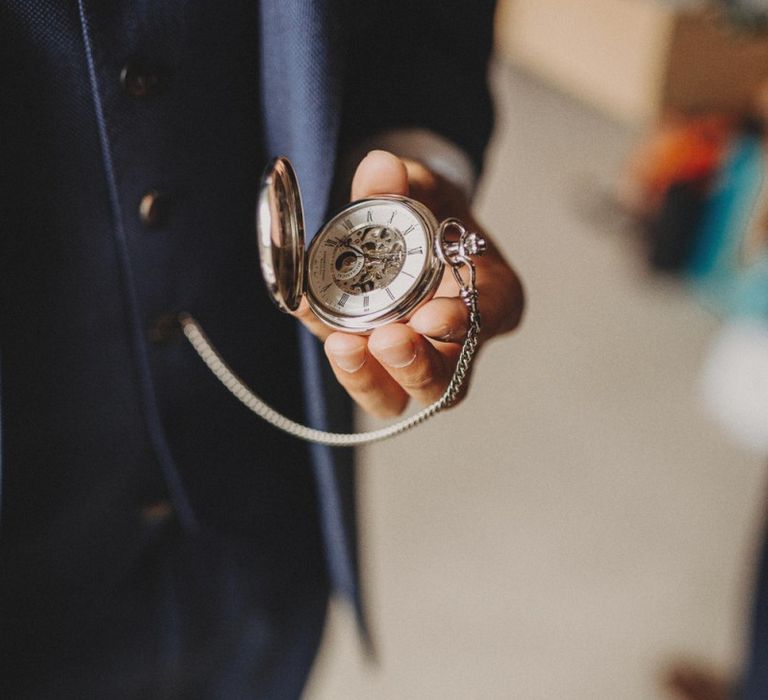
375,261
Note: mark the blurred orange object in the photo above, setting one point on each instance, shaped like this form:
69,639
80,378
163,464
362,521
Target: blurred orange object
681,149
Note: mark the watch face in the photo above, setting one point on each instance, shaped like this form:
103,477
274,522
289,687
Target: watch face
372,263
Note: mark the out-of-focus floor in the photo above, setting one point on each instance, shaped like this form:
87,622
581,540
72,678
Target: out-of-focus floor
578,522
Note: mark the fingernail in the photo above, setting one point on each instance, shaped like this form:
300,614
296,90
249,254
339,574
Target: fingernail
398,356
349,361
443,332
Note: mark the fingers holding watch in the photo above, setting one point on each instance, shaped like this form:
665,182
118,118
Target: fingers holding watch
418,367
416,360
363,377
394,364
500,295
500,291
442,318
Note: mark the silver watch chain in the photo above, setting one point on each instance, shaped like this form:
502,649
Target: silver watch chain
457,256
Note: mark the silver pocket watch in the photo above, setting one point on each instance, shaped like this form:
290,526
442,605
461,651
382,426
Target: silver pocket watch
374,262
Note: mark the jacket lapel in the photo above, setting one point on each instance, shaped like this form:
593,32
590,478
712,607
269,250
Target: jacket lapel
301,93
301,90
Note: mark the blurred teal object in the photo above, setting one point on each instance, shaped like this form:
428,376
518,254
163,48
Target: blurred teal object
723,275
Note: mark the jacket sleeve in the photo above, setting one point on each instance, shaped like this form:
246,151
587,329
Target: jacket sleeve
419,64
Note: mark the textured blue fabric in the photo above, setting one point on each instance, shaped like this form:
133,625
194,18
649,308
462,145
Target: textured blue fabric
419,64
299,75
300,49
754,683
104,592
1,441
176,488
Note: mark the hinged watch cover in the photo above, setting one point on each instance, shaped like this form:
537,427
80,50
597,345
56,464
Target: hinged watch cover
280,233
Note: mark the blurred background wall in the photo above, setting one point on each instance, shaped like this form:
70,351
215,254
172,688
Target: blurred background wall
635,59
579,523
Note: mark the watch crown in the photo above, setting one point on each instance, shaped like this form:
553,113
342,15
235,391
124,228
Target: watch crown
474,243
455,252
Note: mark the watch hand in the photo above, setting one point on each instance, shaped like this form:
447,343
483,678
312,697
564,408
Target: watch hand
346,242
382,256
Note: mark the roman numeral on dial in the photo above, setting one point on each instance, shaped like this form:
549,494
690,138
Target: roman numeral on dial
347,224
342,300
416,251
408,230
389,293
369,216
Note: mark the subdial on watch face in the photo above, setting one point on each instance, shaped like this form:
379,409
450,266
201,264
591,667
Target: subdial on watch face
369,258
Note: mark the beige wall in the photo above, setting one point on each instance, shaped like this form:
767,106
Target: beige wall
632,58
609,52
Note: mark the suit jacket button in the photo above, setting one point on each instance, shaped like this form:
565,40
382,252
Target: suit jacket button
153,208
138,81
157,513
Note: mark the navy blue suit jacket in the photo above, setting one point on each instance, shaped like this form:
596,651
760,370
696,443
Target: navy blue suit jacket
113,433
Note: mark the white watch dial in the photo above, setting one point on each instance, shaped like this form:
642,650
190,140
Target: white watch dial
368,258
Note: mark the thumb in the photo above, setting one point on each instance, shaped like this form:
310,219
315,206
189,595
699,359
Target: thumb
380,172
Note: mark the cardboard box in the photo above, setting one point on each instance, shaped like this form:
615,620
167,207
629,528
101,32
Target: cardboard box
633,59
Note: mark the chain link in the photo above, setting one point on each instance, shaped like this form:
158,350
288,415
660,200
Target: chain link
467,293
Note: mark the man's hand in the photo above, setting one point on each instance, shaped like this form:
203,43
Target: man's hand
416,359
